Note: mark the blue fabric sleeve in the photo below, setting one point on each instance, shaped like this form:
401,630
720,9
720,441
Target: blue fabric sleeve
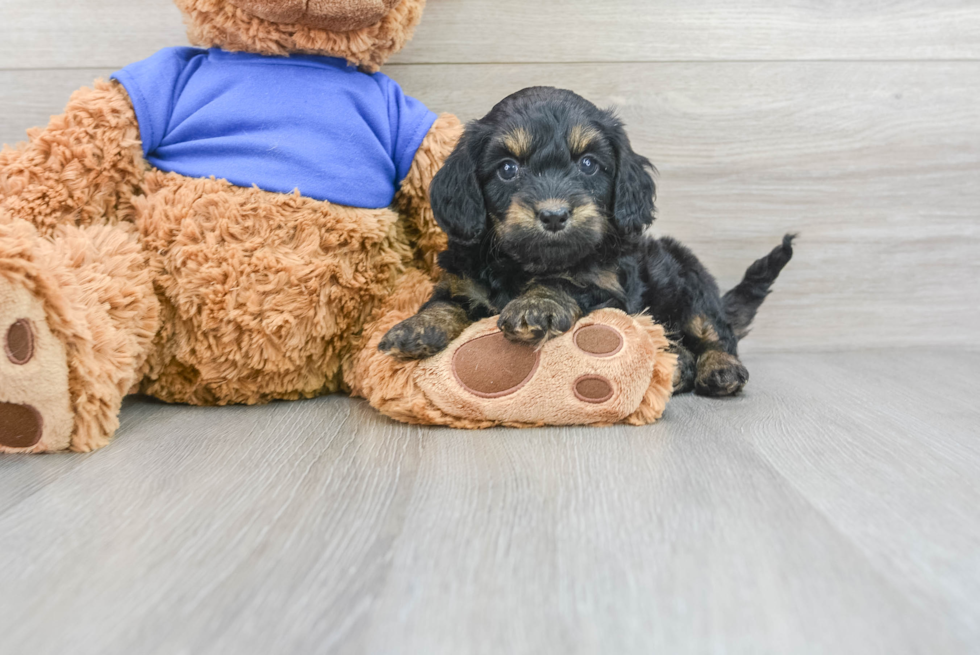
410,122
152,85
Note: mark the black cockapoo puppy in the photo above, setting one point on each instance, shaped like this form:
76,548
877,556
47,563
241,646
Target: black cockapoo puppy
545,204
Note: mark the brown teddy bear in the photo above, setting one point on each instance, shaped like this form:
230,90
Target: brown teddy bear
243,222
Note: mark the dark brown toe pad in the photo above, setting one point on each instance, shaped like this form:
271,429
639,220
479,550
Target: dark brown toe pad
599,340
491,366
593,389
19,342
20,426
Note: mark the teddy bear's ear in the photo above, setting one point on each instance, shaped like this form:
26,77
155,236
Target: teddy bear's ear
457,201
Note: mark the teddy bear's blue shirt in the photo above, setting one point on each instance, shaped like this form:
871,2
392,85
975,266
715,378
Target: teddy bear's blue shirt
279,123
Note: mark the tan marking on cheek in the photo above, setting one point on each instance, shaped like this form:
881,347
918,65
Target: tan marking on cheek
520,214
581,138
588,215
518,142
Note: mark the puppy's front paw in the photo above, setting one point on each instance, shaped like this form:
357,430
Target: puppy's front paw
426,333
534,319
414,338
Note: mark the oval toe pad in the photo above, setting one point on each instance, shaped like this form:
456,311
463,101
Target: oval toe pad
20,425
599,340
593,389
492,367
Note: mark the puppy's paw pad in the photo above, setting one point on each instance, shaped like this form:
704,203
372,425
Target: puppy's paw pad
492,367
720,374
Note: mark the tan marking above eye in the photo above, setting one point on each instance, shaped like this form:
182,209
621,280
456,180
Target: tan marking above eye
19,342
519,214
581,138
518,142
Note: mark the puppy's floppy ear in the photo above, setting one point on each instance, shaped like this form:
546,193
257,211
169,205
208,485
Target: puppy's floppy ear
635,189
456,196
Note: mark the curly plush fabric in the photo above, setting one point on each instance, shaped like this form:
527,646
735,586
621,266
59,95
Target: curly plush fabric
217,23
241,296
261,292
117,277
99,303
331,15
84,168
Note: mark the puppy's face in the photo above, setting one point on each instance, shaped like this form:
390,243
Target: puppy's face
545,177
548,177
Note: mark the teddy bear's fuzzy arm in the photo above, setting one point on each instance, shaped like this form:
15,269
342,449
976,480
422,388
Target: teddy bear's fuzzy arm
413,196
82,169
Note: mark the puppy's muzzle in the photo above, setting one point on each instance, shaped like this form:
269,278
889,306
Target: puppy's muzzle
553,216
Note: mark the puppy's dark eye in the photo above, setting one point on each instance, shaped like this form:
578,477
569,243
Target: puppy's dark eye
508,170
588,165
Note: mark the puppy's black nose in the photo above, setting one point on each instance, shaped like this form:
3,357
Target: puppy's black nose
554,219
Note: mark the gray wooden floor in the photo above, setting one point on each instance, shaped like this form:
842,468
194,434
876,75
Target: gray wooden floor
830,509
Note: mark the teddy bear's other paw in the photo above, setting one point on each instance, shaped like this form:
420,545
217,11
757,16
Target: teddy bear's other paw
534,319
719,374
35,406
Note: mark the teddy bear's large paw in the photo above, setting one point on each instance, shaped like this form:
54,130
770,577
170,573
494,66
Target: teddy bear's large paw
35,405
600,371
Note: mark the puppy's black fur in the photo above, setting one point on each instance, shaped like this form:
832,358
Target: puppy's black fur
545,204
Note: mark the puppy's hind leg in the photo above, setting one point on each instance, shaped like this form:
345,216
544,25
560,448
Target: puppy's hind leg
719,372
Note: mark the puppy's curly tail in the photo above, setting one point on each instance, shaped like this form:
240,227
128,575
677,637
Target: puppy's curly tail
742,302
